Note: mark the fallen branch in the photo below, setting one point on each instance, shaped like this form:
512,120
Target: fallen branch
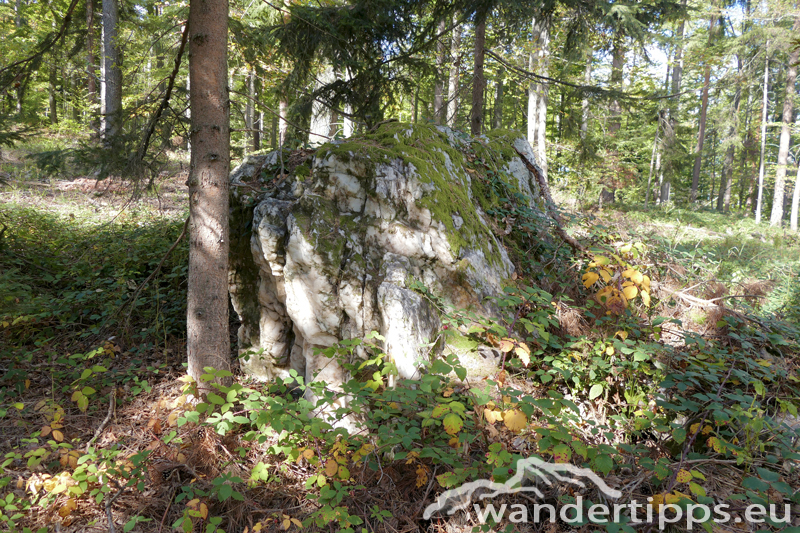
112,402
549,204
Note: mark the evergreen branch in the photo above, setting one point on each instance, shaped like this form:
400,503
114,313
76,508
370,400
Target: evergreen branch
151,127
45,47
583,88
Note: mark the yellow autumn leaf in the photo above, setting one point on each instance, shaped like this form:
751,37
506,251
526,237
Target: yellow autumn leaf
203,511
637,277
656,500
492,415
609,350
602,260
452,423
629,273
448,392
626,248
58,436
453,442
645,298
331,467
589,279
715,444
605,274
297,522
506,345
286,523
630,292
308,454
645,282
515,420
622,334
524,353
684,476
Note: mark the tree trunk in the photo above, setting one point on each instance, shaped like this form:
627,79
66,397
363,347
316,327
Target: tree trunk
91,73
617,63
479,81
670,139
455,53
18,14
795,201
273,138
208,339
111,79
764,106
283,109
438,97
249,111
498,100
539,63
52,82
786,124
724,199
698,158
587,80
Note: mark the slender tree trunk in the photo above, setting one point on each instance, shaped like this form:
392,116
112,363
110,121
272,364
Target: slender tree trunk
795,200
670,138
587,80
111,81
724,199
479,80
455,71
698,159
617,64
786,124
439,108
91,72
248,110
208,339
52,81
498,100
283,109
18,14
539,63
273,138
761,164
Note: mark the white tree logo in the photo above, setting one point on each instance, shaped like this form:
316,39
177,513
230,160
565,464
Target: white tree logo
533,469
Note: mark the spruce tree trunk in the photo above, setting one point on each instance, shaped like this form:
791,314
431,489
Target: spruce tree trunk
670,139
724,199
248,110
479,80
698,158
111,77
786,124
764,106
455,71
438,96
52,81
208,340
617,63
283,126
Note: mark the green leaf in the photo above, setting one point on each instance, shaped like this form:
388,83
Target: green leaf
595,391
452,423
215,398
225,492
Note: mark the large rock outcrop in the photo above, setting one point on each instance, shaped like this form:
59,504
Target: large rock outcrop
327,252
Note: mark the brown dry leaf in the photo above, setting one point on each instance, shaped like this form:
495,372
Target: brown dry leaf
45,431
154,425
308,454
172,419
58,436
506,345
203,511
67,508
524,353
492,415
422,475
501,377
515,420
448,392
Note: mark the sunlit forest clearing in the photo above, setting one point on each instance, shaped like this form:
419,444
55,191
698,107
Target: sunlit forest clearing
380,266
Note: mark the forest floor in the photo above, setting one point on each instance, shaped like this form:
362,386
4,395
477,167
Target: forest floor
689,400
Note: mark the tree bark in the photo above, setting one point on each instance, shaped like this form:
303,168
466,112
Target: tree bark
764,106
208,340
786,124
283,109
91,73
670,139
795,201
455,70
617,63
111,79
438,96
587,80
52,82
698,158
479,80
498,100
724,199
539,63
248,110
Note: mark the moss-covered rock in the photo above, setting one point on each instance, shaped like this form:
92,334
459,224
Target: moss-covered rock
326,252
